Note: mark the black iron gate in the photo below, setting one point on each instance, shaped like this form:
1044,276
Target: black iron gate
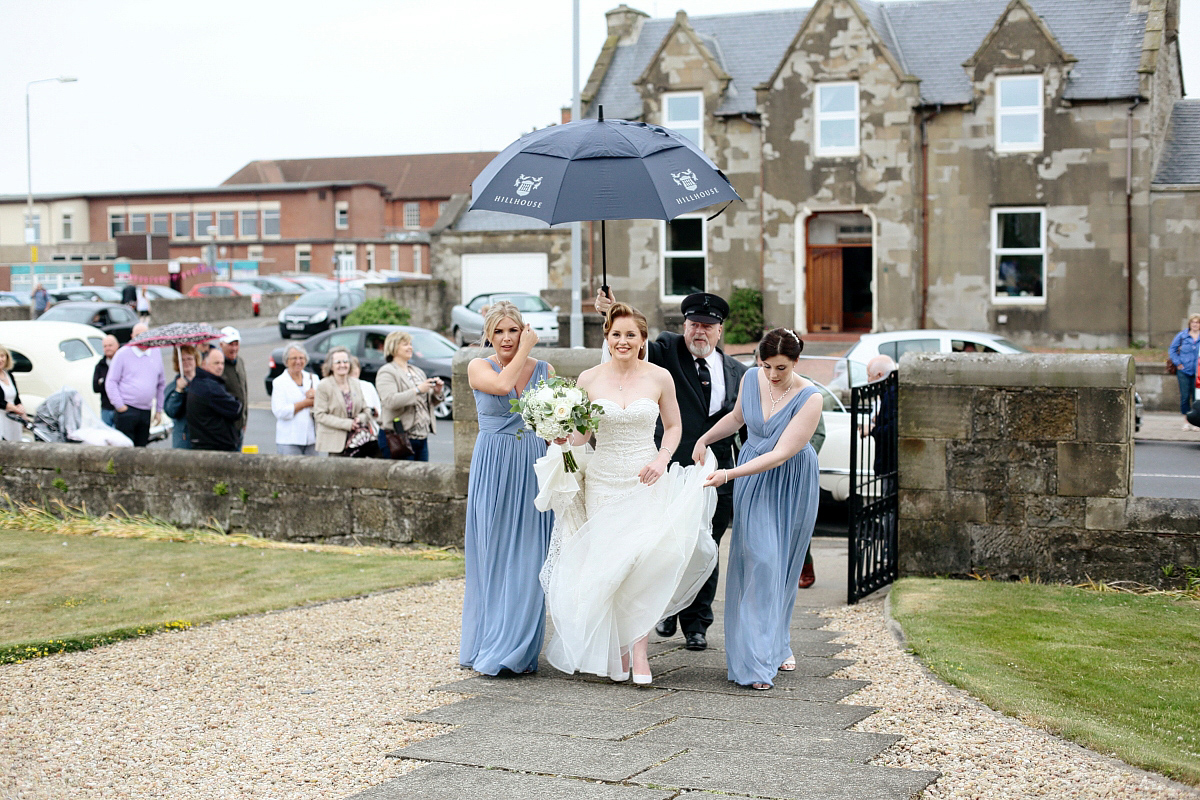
873,501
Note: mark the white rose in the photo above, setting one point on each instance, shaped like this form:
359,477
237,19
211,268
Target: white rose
544,394
562,411
574,396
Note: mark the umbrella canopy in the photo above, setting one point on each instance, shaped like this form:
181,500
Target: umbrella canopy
601,169
177,334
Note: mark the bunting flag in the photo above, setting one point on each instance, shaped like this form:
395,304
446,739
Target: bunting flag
164,279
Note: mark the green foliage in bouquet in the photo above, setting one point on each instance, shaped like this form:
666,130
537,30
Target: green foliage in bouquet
745,323
379,311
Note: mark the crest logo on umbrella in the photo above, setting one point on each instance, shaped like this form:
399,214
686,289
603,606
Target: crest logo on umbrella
686,179
526,184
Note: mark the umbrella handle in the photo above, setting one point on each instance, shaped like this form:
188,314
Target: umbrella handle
603,259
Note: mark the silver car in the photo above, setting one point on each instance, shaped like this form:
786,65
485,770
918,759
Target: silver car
466,320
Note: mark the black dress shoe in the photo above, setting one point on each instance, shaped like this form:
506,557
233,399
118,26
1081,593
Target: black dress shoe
665,628
696,641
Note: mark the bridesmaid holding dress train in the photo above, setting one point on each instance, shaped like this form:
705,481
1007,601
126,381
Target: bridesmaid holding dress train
503,619
774,509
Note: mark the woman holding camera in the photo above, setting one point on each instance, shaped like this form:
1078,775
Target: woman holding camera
407,395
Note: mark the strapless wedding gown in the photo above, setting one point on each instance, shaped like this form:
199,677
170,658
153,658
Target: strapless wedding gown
625,555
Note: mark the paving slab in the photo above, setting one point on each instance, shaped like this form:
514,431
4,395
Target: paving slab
754,706
540,752
523,715
454,782
803,687
813,667
785,777
567,692
751,737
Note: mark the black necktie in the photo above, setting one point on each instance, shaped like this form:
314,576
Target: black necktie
705,382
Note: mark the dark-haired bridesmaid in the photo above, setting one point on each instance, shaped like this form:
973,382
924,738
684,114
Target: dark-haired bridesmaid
774,509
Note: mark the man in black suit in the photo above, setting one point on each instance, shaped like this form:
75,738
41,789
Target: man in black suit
706,385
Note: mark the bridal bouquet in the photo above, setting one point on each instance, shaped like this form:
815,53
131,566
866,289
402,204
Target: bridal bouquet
556,408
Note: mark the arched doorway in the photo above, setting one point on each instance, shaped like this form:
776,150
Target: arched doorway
838,268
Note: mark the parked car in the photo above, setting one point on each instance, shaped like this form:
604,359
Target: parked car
312,284
13,299
273,284
318,311
111,318
228,289
163,293
99,294
466,320
432,352
48,356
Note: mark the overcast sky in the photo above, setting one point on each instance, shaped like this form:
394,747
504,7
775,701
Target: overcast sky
183,94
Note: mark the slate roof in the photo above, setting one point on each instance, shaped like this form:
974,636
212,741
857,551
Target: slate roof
930,38
424,176
1180,161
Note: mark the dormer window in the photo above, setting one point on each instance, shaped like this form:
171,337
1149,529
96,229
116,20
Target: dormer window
837,119
683,112
1019,114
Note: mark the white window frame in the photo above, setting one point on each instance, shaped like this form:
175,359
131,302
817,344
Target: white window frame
370,257
412,214
304,251
186,216
145,220
119,220
664,254
243,216
395,258
670,122
994,267
835,151
341,215
226,215
271,213
201,231
416,267
34,222
68,226
1021,147
254,252
156,216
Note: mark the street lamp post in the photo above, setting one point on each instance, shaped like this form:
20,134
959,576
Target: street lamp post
29,238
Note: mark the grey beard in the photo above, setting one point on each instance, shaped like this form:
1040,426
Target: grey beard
699,351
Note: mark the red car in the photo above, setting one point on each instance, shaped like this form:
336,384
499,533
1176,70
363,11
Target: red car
228,289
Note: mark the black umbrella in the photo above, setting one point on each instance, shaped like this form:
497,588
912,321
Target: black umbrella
601,169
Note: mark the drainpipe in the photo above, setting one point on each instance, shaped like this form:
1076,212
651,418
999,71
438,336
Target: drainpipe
925,119
1129,221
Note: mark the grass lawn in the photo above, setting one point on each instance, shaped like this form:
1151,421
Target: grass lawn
71,592
1119,673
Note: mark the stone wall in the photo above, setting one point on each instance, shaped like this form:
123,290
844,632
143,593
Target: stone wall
1022,466
290,498
201,309
271,304
1159,391
426,300
9,313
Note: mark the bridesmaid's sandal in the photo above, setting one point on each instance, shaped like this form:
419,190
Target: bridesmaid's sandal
760,687
789,665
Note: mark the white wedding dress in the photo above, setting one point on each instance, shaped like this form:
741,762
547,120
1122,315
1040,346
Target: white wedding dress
624,555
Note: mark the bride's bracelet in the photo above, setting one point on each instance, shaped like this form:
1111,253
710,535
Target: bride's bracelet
726,477
667,450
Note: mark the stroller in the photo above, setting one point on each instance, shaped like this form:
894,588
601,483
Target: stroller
64,417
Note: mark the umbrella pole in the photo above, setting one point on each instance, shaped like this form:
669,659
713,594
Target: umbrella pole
603,260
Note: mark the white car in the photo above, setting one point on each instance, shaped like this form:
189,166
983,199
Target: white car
466,319
896,343
834,458
48,356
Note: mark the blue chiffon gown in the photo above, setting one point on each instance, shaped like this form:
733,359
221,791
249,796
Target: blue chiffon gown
773,517
503,619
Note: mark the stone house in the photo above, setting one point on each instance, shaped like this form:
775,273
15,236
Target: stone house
1027,167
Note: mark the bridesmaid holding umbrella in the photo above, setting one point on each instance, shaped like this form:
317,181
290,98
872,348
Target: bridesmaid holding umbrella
504,619
774,509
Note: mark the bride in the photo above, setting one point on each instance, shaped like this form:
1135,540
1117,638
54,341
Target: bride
635,547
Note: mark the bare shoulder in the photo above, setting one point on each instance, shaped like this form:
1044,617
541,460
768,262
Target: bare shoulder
589,375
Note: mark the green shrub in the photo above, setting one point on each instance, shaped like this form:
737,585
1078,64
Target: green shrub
379,311
745,323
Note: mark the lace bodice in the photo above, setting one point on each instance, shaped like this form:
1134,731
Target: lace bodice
624,444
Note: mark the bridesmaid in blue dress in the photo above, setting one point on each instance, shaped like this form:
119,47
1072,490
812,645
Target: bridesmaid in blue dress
503,619
774,509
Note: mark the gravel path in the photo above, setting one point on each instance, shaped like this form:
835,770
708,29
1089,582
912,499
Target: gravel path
980,753
298,704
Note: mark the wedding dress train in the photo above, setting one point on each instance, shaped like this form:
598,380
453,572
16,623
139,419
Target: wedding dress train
624,555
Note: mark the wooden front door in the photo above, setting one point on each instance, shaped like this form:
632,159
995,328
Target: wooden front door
823,292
